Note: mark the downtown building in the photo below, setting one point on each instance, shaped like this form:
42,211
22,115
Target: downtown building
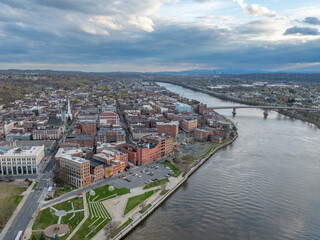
21,160
165,144
75,170
171,129
142,153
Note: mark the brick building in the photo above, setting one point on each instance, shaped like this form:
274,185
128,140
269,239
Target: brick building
109,135
202,108
89,128
109,119
189,125
75,170
201,134
171,129
82,140
141,154
165,144
47,134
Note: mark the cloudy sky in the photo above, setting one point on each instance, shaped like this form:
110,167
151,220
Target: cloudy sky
159,35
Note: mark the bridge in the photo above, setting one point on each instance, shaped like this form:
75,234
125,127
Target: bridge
265,108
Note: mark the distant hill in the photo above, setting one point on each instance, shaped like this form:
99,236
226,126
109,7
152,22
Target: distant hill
209,71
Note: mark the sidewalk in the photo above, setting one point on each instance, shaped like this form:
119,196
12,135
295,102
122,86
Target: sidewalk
16,212
86,215
116,206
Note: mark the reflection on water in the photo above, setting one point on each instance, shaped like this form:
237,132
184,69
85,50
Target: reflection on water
266,185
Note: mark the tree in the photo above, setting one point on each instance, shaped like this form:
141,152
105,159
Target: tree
42,236
56,237
142,205
163,187
110,229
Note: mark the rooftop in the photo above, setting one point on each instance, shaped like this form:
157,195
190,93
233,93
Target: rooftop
75,159
26,150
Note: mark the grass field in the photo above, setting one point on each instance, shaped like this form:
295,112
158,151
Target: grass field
65,190
94,224
46,217
77,204
156,183
176,171
35,185
103,192
10,197
145,208
136,200
123,226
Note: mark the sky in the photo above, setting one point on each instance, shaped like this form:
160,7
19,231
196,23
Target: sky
160,35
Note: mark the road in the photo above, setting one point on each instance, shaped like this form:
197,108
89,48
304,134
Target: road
20,223
124,126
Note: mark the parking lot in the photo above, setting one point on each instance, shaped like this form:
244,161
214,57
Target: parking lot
141,175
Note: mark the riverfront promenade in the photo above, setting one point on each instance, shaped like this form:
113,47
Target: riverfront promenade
174,184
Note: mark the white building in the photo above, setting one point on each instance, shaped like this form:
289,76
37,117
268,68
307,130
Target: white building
183,108
21,160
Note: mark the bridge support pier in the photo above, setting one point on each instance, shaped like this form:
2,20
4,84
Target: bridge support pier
234,112
265,113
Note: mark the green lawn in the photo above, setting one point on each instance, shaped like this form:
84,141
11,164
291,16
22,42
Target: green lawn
176,171
73,222
77,204
209,150
164,192
156,183
44,219
214,146
35,185
10,197
103,192
136,200
123,226
85,229
65,190
145,208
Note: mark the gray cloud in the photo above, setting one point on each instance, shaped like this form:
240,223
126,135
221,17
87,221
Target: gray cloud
312,20
58,32
302,31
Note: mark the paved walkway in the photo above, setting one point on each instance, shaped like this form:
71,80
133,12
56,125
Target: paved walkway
16,212
86,215
116,206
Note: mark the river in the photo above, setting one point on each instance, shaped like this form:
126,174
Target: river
266,185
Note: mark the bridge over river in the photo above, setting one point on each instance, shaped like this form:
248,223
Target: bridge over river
265,108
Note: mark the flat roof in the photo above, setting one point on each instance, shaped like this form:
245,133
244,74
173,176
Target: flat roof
46,143
75,159
19,151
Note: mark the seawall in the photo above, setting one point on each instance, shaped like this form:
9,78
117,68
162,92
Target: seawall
157,203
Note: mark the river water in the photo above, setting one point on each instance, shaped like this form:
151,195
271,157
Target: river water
266,185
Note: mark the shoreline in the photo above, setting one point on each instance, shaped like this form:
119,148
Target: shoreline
231,99
160,200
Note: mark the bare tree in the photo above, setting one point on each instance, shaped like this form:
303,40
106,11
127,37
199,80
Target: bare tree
163,187
110,229
142,205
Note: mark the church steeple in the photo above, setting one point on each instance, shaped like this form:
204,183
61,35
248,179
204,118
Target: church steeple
69,107
69,113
